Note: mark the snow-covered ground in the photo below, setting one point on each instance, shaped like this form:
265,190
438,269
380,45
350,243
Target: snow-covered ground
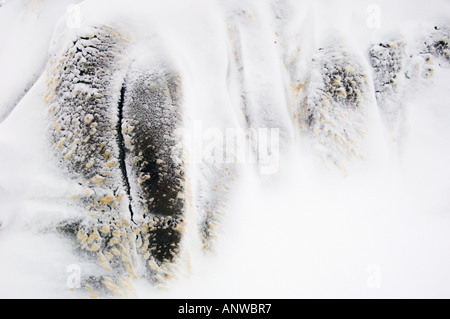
359,205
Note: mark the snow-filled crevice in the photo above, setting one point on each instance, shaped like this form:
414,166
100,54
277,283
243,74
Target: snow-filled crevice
122,151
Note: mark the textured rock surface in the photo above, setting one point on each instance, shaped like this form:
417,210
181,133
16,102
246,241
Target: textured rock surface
152,113
333,111
116,136
438,44
83,99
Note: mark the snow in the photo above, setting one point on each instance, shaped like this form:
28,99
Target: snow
27,28
326,224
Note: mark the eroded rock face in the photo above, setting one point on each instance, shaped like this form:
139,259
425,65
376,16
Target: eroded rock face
152,116
387,62
397,64
83,93
333,111
438,43
434,52
114,129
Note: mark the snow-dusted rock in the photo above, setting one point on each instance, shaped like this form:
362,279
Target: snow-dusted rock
116,180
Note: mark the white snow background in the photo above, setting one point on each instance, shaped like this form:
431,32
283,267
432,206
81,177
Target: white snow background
383,231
